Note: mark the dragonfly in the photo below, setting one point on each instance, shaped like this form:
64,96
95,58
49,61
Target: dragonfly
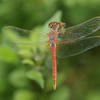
71,41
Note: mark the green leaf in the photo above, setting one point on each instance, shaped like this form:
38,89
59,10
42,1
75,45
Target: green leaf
7,54
36,76
18,78
24,95
28,62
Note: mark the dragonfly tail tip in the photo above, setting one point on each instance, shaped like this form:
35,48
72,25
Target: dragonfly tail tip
54,85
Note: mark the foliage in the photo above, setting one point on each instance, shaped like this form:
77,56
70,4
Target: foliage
25,70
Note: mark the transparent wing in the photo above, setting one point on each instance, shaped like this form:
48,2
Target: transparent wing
21,31
71,48
17,36
81,30
18,30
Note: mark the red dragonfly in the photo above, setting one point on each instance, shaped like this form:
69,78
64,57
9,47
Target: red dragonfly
65,42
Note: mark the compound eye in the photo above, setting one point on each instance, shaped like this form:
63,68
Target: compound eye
50,25
62,24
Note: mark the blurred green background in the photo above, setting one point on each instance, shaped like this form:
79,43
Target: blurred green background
26,74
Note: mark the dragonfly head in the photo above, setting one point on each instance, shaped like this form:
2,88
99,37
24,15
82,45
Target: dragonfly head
56,26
